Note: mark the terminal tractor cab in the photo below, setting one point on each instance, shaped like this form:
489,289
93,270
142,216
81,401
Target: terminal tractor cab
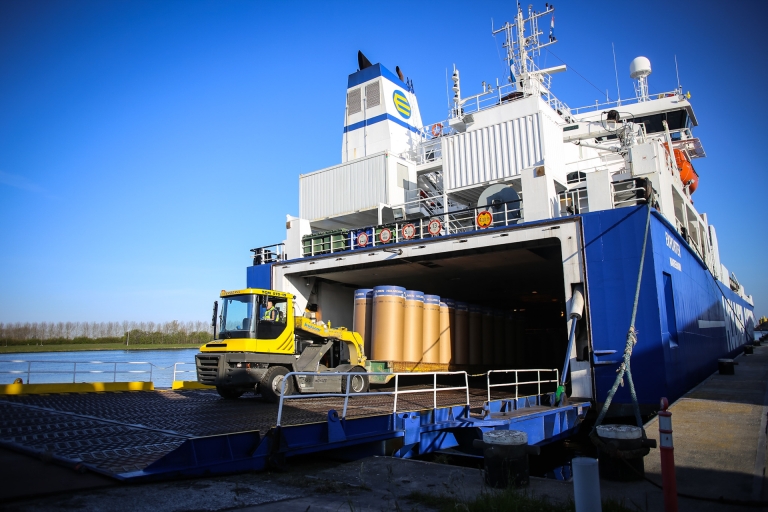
260,340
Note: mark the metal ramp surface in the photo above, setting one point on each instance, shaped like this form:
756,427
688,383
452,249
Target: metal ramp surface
159,434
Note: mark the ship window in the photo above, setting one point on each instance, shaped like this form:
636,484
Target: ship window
676,120
353,102
372,95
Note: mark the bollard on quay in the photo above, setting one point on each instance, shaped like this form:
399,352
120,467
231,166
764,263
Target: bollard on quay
623,438
667,451
505,455
725,366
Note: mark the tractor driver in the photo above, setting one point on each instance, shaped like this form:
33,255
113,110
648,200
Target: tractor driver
271,312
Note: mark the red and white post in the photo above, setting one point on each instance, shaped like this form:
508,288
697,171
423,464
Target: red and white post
668,481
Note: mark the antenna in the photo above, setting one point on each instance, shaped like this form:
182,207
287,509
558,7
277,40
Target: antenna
678,75
639,69
522,48
456,90
447,95
616,71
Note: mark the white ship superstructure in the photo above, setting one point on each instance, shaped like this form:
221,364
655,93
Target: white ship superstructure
515,202
560,161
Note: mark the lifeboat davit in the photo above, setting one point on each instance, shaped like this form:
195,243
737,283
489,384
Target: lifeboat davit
687,172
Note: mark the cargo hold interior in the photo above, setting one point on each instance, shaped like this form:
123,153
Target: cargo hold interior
524,278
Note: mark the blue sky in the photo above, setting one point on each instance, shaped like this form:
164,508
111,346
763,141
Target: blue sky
145,147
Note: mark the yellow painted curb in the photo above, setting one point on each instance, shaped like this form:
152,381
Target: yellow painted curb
81,387
189,384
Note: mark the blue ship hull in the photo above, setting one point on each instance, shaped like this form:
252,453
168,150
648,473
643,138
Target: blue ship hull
686,319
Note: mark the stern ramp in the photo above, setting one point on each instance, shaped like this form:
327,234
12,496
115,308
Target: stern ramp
146,435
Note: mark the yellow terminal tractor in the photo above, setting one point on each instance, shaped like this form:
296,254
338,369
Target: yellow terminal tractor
260,339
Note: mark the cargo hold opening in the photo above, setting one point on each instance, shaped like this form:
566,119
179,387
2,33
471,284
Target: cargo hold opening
525,279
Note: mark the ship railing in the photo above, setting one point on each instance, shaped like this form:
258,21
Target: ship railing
506,93
61,372
503,94
396,393
429,150
502,214
679,226
268,254
628,101
574,201
538,382
627,193
177,372
450,223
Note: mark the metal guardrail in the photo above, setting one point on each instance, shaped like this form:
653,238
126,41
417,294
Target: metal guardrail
434,389
177,371
268,254
627,193
517,382
75,371
624,101
458,221
574,201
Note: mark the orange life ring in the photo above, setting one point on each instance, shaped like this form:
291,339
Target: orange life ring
437,129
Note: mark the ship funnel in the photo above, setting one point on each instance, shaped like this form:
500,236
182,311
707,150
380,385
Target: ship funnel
362,61
382,113
639,69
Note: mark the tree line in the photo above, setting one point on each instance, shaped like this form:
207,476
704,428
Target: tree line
62,333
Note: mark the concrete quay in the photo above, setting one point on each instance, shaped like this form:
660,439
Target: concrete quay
720,451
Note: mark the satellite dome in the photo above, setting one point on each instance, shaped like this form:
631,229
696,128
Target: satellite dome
639,67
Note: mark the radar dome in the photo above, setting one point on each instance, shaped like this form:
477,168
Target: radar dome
639,67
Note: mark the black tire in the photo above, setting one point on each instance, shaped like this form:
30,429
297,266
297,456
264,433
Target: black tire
271,384
229,393
358,383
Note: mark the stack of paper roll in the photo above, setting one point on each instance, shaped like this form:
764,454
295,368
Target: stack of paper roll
413,326
520,351
475,334
509,341
498,338
431,329
488,325
461,338
361,320
447,330
387,323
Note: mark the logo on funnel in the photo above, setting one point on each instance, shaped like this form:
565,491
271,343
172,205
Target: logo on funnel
401,104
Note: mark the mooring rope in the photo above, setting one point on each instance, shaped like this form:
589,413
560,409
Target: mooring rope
625,368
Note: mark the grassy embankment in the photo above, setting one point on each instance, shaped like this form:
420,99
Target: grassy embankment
132,340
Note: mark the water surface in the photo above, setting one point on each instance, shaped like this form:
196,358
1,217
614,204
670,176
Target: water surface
99,366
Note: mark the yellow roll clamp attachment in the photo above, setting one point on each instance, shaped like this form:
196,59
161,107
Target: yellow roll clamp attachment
306,327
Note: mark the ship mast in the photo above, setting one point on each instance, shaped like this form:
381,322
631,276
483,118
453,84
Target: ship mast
522,48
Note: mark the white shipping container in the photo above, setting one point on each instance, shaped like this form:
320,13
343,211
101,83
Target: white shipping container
492,152
344,189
